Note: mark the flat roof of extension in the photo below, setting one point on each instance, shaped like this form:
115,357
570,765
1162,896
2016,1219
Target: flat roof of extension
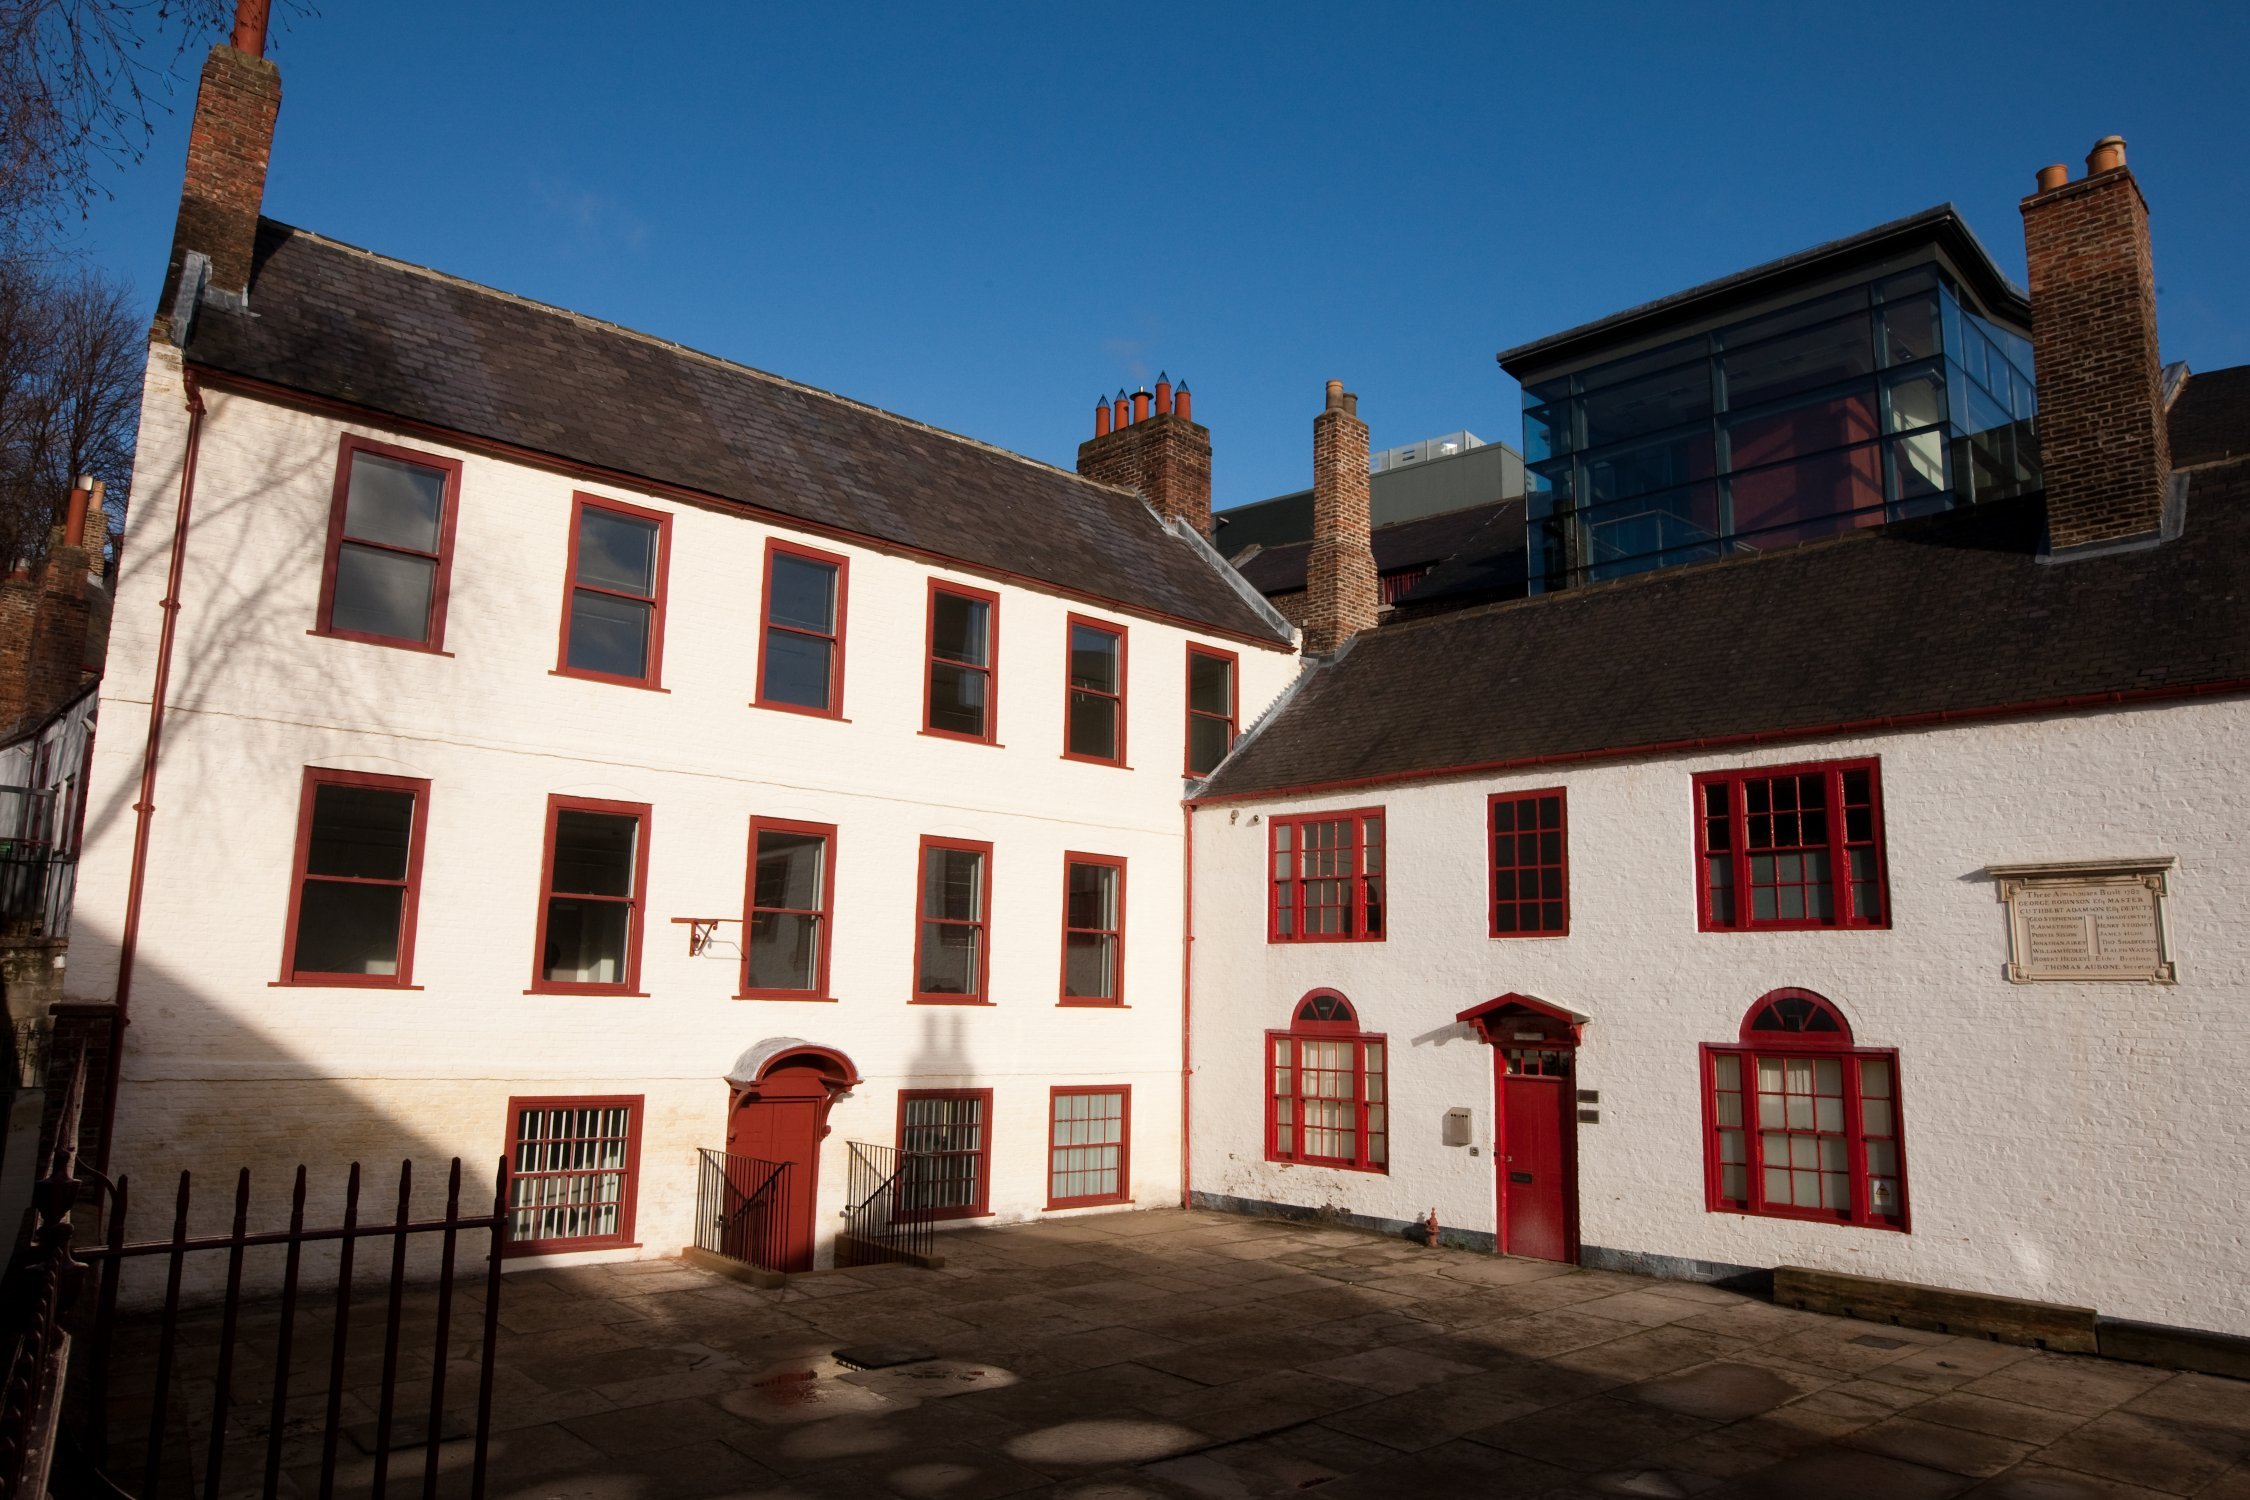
1713,301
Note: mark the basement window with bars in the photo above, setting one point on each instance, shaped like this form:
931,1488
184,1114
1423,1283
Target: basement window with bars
1327,878
1327,1089
1791,847
1802,1124
573,1168
1086,1146
945,1153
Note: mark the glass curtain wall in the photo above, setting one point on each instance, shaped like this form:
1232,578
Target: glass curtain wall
1881,401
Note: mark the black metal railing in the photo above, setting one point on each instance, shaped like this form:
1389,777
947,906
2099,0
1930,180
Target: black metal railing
879,1226
40,1287
38,871
746,1210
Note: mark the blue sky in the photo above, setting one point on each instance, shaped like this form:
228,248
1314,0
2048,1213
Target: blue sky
982,216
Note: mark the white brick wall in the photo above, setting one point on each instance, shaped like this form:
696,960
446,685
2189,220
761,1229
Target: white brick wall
225,1069
2078,1143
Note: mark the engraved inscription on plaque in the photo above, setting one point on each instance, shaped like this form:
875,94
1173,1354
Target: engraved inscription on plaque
2087,920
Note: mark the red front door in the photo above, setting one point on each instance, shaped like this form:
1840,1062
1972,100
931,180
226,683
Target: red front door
1537,1167
782,1126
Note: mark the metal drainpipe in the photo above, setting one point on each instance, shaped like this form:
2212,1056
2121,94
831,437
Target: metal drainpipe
1187,999
145,809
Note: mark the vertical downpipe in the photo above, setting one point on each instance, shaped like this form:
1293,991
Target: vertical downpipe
1187,1000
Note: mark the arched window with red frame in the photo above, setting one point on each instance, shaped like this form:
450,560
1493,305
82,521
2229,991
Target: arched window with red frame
1327,1089
1802,1123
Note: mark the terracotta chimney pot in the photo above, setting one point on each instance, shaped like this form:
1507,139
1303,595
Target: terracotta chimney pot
2052,177
1101,416
2107,156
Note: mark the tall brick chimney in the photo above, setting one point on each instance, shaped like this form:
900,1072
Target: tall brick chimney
1159,450
50,618
229,144
1341,593
2102,440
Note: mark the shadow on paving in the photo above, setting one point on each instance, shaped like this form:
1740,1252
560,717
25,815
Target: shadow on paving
1180,1354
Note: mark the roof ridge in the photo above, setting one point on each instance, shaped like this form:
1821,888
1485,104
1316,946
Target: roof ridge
675,347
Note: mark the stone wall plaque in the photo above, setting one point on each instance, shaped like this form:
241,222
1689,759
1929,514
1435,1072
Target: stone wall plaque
2087,920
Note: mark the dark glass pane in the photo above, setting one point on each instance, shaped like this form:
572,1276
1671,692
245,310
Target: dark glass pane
1211,685
789,871
804,594
609,635
1093,726
1503,817
953,884
1799,362
796,670
1093,658
382,593
617,552
1633,366
1090,966
784,951
957,699
1546,431
1812,497
595,853
1091,898
585,941
949,959
1911,329
398,504
1651,404
360,831
1815,427
1774,324
1207,744
1649,467
349,929
960,629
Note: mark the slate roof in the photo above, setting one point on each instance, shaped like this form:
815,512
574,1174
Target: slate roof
1421,542
2210,419
1952,614
338,322
1490,563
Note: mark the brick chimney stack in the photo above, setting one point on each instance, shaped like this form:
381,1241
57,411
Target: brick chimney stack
229,145
50,617
1341,593
2102,439
1157,449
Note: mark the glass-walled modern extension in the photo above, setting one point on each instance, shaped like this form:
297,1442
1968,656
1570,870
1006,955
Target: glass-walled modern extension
1885,400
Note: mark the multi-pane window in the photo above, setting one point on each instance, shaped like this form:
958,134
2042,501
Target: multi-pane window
950,951
945,1153
1093,930
1327,1103
359,870
613,612
1094,720
1796,846
1530,864
1211,710
390,544
1326,878
1087,1130
792,887
590,897
1801,1123
801,648
572,1165
964,624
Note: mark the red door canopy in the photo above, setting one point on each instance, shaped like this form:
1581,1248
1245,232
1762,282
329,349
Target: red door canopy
1514,1018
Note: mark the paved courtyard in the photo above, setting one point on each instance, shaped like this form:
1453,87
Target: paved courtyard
1181,1354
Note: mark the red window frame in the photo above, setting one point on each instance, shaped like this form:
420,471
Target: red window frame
1124,1117
767,625
653,678
990,669
316,777
982,1155
1326,1018
1797,1026
633,1105
1727,817
348,445
1233,719
1368,888
827,913
1116,934
1071,689
635,904
983,923
1543,861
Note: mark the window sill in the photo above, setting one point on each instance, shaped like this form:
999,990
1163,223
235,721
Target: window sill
945,1000
588,992
1069,1002
954,1216
1095,760
337,982
959,739
1799,927
801,997
1064,1205
631,682
799,710
379,640
1298,942
527,1249
1509,937
1807,1218
1326,1166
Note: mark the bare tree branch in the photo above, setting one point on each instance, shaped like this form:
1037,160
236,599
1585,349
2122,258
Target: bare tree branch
71,352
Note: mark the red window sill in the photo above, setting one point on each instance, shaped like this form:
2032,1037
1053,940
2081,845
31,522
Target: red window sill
800,710
1503,937
1074,1002
337,982
1813,1217
596,991
946,1216
804,997
393,642
644,684
946,1000
524,1249
960,739
1057,1204
1324,938
1335,1166
1096,760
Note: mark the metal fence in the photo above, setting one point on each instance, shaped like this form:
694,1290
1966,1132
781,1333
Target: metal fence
38,873
879,1191
39,1289
745,1210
